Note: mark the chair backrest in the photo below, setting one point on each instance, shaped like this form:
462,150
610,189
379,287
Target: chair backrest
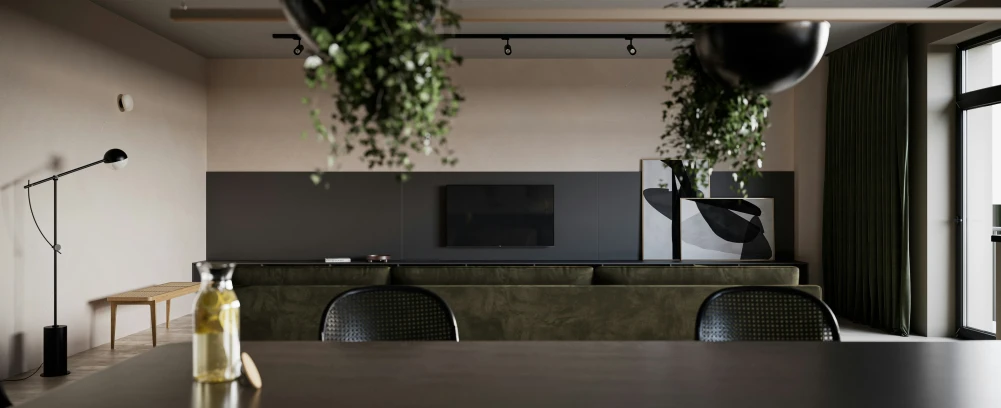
388,313
765,313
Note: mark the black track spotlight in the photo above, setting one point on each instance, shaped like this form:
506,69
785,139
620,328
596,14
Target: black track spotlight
507,47
630,48
298,49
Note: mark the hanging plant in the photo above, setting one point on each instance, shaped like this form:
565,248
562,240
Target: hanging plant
388,69
709,121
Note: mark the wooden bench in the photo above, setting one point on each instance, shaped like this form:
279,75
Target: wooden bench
149,296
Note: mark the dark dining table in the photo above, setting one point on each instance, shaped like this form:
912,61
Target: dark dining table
562,374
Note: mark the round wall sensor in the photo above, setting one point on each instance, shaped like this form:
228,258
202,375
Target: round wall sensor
125,102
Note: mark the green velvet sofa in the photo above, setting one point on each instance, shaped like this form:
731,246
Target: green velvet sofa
506,302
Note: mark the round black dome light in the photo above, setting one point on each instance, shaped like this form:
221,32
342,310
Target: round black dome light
767,57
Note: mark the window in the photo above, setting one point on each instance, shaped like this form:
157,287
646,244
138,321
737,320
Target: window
978,89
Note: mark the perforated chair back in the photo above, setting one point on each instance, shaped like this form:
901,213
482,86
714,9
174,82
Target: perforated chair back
388,313
765,313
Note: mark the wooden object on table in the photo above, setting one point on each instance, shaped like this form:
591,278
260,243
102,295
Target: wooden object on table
149,295
557,374
249,373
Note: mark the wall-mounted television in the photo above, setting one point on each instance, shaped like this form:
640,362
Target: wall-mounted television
499,216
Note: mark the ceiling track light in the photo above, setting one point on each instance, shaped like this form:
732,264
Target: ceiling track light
298,48
629,48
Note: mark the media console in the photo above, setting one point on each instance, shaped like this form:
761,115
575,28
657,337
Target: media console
804,268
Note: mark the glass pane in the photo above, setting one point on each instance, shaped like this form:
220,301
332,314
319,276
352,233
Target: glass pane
983,67
983,196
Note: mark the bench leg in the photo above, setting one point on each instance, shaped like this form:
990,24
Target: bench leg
168,313
114,320
152,319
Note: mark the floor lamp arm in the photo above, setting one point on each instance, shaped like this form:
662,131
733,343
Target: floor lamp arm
32,210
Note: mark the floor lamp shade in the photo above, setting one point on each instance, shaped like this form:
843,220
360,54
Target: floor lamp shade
116,158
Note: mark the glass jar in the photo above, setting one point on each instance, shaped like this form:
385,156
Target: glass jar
216,341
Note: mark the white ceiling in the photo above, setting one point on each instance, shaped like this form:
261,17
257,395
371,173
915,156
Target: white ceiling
253,40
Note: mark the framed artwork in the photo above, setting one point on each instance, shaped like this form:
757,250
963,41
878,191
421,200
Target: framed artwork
728,229
664,183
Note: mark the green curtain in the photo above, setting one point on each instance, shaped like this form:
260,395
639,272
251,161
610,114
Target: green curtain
866,261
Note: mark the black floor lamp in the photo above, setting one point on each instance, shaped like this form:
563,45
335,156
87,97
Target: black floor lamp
4,401
54,354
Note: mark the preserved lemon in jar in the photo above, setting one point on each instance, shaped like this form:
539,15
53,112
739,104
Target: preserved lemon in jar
216,341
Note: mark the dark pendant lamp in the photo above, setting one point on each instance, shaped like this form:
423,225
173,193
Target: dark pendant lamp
767,57
54,354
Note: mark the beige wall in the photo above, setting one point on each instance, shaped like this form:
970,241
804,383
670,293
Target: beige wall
932,189
520,115
62,64
810,126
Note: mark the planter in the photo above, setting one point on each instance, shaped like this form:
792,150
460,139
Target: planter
767,57
304,15
389,72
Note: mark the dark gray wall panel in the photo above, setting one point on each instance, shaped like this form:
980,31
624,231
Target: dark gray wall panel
283,216
619,216
780,185
576,217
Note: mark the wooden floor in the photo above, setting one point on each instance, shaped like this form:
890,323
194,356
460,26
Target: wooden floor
96,359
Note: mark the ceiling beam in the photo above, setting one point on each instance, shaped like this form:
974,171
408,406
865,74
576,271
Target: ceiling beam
226,15
657,15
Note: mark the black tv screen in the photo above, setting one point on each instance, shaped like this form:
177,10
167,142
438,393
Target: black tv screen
499,215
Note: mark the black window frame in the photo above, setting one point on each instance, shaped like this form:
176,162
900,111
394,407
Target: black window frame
966,101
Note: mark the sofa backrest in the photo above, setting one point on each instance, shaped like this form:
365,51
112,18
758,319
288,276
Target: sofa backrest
503,312
312,274
492,275
696,275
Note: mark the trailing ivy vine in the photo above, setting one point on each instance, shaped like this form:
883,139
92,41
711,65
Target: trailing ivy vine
393,94
712,122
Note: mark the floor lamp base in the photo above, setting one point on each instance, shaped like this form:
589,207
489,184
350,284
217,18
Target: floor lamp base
54,363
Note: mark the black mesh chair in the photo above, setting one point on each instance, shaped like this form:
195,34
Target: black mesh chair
765,313
388,313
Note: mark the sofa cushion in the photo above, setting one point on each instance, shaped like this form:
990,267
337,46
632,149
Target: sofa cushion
249,275
696,275
492,275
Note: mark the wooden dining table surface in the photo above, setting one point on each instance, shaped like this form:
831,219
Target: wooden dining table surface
562,374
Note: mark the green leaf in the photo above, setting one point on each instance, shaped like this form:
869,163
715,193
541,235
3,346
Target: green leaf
391,88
